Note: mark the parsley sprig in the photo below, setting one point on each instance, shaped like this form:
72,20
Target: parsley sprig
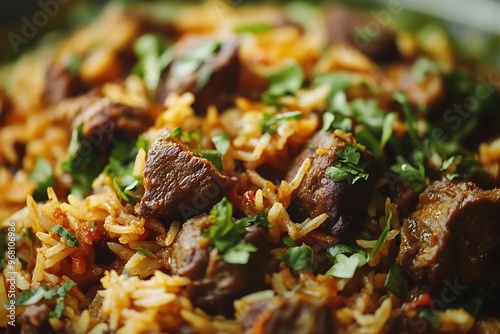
33,296
348,167
227,235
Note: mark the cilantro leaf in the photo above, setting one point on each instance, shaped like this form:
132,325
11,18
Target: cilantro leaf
69,236
415,176
121,165
411,120
192,61
259,219
213,156
254,28
81,163
395,282
345,266
31,297
382,236
222,143
145,252
177,132
43,175
227,236
299,258
289,242
285,81
348,167
270,123
154,55
338,81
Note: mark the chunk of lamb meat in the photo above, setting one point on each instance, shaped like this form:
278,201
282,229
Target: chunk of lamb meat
318,193
293,314
61,83
454,234
212,83
104,119
216,283
345,26
178,184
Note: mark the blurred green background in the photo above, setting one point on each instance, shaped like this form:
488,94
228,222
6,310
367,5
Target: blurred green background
473,25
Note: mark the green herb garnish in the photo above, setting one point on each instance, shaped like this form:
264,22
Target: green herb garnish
69,236
348,167
227,236
285,81
299,258
43,175
270,123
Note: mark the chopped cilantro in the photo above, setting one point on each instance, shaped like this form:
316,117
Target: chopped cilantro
154,55
193,59
24,263
395,282
332,121
338,81
299,258
213,156
431,317
348,167
3,248
415,176
227,236
121,165
69,236
43,175
345,266
270,123
31,297
188,137
259,219
285,81
81,163
145,252
254,28
382,236
222,143
177,132
289,242
411,120
387,128
422,67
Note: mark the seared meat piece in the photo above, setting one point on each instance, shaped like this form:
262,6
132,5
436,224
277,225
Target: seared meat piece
61,83
345,26
288,315
191,250
454,234
212,84
179,185
318,193
5,104
35,320
216,283
103,119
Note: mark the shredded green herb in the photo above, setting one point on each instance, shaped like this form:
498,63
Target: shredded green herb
285,81
227,236
395,281
270,123
145,252
348,167
31,297
299,258
43,175
69,236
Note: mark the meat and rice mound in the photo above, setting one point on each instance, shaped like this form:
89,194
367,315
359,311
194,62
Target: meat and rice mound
257,169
